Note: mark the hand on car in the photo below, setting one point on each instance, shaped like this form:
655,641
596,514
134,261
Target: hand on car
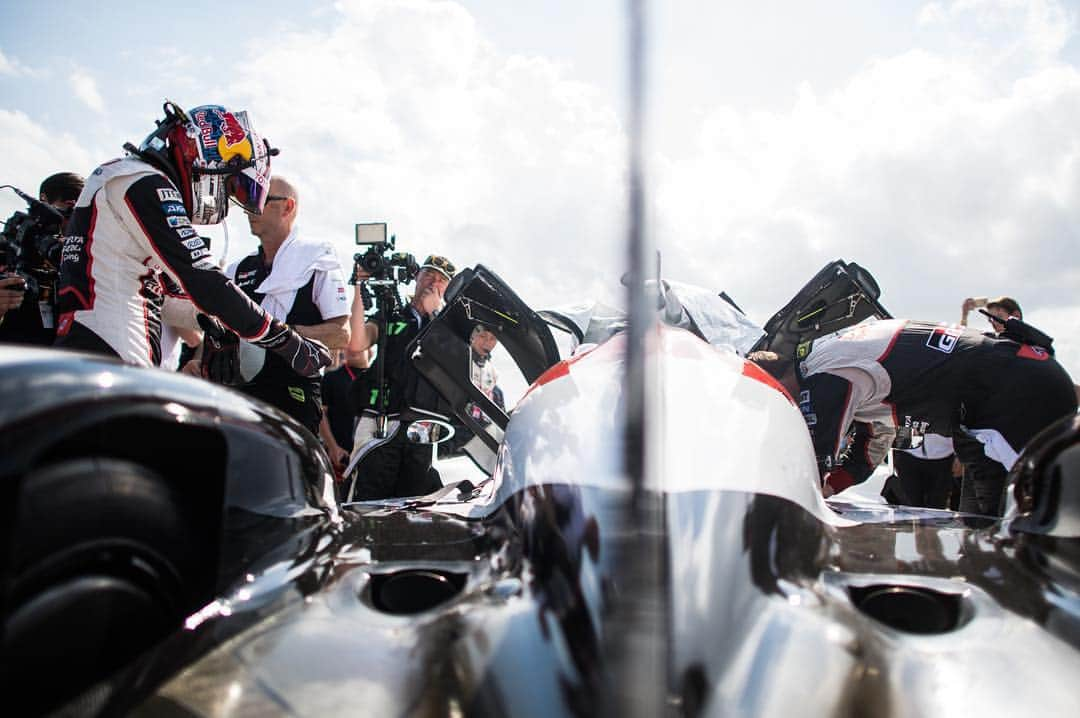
338,457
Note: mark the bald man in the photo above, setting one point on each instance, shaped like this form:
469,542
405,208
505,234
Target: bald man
299,281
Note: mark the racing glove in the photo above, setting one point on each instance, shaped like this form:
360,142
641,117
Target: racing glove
221,352
305,356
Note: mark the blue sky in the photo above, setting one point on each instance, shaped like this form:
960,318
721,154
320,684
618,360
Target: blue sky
936,143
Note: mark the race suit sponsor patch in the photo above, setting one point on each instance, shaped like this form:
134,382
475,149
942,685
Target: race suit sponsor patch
807,408
186,232
169,195
72,250
943,339
178,221
193,243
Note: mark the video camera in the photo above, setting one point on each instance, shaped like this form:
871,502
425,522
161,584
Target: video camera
30,245
380,260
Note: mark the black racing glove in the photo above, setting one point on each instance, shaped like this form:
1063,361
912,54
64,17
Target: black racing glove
221,352
305,356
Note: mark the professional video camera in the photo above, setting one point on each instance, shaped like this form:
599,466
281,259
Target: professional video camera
30,245
387,270
380,260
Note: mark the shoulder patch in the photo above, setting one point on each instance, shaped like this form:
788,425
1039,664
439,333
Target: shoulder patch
943,339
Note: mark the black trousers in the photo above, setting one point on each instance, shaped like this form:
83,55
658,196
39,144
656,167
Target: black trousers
82,339
982,489
922,482
1016,396
300,399
396,469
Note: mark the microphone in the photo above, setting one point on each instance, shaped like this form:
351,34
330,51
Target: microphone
36,205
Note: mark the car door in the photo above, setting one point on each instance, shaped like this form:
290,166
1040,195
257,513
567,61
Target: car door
445,355
838,296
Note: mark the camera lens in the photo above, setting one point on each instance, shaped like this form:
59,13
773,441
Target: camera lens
372,263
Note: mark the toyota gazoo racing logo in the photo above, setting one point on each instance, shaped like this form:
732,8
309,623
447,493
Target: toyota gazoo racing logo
943,339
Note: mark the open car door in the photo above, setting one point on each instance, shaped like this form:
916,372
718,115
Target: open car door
444,355
840,295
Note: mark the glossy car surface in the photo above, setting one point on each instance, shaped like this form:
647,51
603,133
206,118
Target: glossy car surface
727,586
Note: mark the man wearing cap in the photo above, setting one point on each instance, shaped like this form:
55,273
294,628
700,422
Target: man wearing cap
390,466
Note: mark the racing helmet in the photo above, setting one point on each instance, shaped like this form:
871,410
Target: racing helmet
213,155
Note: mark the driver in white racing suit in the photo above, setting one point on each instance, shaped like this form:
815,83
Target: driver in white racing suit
897,380
131,243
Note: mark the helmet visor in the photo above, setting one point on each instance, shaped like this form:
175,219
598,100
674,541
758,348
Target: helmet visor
249,187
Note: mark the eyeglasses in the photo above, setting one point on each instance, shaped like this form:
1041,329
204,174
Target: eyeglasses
276,198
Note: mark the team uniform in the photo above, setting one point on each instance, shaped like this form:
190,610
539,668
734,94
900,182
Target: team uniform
394,467
339,413
898,380
315,294
131,261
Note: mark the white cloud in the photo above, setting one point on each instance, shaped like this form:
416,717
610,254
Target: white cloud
1009,29
31,153
404,113
949,172
931,14
12,67
944,175
85,88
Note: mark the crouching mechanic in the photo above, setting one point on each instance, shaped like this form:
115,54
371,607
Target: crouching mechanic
130,238
391,466
900,379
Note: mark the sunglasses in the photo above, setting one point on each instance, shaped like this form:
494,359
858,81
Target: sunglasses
276,198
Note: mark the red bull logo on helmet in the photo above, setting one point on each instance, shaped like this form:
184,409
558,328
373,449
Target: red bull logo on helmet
231,130
221,132
233,141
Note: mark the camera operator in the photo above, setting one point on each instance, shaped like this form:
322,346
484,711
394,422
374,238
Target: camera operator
391,466
131,238
32,249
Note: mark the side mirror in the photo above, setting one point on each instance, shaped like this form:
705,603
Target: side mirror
428,431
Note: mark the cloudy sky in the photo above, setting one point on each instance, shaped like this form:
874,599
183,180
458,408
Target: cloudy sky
935,143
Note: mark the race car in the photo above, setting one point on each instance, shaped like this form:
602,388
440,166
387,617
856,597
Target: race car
173,548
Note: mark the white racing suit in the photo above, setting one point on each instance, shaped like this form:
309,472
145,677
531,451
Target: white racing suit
129,240
898,380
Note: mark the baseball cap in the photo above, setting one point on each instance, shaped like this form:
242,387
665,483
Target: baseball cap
441,265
